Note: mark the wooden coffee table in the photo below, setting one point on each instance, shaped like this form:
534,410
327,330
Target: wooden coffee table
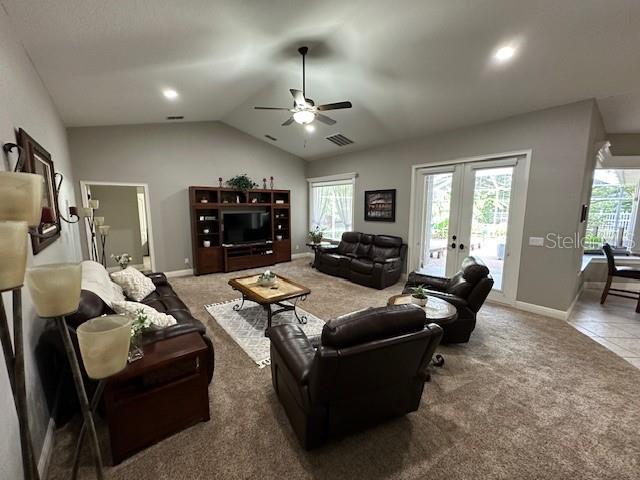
436,311
283,290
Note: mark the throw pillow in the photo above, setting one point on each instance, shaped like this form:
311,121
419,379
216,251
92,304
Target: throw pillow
156,318
135,284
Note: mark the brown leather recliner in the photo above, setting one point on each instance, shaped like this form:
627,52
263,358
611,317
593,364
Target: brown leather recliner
370,365
466,290
370,260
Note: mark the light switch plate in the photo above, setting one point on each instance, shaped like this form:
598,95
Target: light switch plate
536,241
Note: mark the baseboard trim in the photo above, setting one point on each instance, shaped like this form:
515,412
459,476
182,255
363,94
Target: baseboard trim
600,285
301,255
540,310
179,273
47,449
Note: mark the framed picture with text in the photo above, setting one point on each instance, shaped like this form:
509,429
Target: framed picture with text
380,205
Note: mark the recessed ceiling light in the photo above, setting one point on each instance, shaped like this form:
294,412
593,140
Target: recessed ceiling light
170,93
504,53
310,128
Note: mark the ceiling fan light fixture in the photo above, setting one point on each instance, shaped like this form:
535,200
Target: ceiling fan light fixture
310,128
304,117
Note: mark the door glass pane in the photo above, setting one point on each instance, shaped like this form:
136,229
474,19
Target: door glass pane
491,199
436,235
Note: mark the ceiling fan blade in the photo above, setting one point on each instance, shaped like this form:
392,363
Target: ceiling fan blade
324,119
334,106
288,122
271,108
298,98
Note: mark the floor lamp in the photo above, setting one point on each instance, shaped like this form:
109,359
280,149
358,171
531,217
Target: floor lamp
20,209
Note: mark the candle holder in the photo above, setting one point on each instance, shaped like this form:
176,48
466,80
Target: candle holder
55,291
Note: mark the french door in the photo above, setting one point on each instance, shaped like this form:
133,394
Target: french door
473,208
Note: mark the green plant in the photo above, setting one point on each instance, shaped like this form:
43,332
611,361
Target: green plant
316,235
140,323
267,275
419,292
242,182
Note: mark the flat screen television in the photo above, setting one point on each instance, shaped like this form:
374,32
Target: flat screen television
246,227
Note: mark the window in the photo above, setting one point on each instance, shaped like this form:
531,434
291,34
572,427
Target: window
331,206
612,210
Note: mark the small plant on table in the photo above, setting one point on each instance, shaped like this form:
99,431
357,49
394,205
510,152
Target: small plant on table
419,295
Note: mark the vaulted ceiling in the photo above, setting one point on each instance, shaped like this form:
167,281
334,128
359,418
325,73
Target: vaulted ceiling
410,67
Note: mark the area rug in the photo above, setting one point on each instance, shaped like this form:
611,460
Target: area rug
246,326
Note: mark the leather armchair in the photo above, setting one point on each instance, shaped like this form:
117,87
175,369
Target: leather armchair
370,260
466,290
369,365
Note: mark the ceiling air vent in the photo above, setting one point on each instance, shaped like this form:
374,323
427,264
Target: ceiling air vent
175,117
270,137
339,139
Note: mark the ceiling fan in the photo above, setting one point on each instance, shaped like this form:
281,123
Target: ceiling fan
304,109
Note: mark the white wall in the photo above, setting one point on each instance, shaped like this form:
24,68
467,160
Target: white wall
170,158
25,103
559,138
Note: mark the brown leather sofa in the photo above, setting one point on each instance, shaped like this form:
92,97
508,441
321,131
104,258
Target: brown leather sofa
467,290
369,365
164,299
370,260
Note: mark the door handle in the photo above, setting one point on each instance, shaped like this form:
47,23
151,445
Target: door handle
462,246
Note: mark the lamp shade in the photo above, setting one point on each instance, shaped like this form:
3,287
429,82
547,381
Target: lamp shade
104,230
55,289
87,211
104,345
98,221
21,197
95,204
13,254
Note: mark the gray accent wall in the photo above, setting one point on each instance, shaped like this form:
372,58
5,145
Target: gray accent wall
170,158
25,103
560,141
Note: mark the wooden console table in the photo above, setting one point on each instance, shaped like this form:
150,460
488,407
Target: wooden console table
161,394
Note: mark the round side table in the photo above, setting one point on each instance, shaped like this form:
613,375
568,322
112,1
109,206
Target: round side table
436,311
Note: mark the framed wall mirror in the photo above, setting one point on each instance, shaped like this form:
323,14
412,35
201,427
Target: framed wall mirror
38,160
119,222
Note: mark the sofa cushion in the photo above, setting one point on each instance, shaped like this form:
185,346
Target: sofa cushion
384,247
361,265
473,271
371,325
362,251
349,243
332,259
135,284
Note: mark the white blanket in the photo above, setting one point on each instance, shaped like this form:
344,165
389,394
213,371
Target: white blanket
95,278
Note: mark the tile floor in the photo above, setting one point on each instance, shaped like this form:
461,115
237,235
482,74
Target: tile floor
616,325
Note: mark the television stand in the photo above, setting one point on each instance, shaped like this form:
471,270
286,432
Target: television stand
248,255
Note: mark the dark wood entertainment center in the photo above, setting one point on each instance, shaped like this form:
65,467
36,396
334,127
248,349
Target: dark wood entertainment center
208,206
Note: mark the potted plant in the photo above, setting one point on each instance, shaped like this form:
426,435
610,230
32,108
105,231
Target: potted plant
140,323
419,296
267,279
123,259
316,235
242,182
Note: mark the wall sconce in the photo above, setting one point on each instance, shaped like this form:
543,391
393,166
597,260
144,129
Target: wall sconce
26,196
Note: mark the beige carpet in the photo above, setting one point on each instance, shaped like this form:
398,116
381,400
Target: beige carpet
528,398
